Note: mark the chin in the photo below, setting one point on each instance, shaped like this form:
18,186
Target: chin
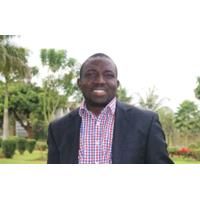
98,103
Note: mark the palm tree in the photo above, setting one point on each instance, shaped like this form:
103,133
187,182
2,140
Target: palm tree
13,65
151,101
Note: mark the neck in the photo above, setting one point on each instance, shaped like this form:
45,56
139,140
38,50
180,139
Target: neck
95,110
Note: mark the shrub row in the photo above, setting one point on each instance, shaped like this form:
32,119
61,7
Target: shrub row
41,146
185,152
25,144
8,147
0,141
21,144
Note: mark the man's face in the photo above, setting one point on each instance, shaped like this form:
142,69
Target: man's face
98,81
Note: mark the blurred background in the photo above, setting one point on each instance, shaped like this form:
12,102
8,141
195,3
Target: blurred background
155,45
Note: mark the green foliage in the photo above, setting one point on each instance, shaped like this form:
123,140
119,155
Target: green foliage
0,142
197,89
194,146
25,104
172,149
21,144
151,101
166,117
59,85
54,58
40,130
24,98
50,99
41,146
13,66
187,117
196,154
9,147
34,70
122,95
30,145
36,157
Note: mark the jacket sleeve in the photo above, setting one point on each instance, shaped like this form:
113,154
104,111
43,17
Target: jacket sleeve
156,151
53,152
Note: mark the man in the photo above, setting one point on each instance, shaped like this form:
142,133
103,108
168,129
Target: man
104,130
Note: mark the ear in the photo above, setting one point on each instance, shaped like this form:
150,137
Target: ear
118,83
79,83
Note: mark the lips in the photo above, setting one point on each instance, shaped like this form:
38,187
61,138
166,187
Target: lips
99,92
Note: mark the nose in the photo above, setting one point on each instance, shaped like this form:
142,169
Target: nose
100,79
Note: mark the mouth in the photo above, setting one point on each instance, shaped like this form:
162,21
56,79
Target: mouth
99,92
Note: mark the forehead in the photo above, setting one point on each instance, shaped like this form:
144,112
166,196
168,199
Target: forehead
99,63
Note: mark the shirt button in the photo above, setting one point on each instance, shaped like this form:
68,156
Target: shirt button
98,124
96,162
97,142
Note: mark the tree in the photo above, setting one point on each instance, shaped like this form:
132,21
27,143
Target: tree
197,89
25,105
166,116
122,95
50,99
151,101
13,65
1,105
58,85
187,118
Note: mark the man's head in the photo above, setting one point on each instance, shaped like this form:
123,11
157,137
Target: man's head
98,80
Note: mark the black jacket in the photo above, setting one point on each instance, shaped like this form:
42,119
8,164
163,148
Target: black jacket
137,138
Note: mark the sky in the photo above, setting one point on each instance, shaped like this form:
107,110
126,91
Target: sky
153,43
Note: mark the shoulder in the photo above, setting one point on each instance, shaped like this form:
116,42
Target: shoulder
66,119
134,111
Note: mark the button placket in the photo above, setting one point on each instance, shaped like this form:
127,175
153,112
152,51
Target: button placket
97,142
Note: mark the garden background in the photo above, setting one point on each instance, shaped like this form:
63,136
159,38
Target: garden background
27,106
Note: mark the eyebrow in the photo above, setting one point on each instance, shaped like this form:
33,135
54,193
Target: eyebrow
110,71
106,71
90,70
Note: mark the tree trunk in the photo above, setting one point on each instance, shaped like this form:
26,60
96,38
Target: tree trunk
29,131
5,114
28,127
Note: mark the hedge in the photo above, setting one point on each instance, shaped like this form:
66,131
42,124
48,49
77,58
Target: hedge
21,144
9,147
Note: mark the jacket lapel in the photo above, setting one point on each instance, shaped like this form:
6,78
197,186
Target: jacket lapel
120,127
74,137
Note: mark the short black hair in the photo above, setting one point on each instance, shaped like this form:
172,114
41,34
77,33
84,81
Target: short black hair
101,55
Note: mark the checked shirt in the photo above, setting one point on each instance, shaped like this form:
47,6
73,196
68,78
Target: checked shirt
96,134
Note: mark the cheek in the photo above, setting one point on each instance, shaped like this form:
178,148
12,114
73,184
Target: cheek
85,88
114,85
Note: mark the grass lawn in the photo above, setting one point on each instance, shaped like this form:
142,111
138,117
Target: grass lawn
182,160
37,157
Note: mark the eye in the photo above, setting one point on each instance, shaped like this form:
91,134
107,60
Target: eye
109,75
90,75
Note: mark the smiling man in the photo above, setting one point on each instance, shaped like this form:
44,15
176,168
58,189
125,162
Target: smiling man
104,130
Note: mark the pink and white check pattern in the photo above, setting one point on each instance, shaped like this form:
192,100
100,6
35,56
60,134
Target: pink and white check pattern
96,134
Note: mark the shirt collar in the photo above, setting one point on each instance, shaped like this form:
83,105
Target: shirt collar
110,107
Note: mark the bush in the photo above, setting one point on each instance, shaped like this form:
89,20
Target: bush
195,154
193,146
40,130
173,151
1,154
184,151
30,145
21,144
41,146
0,141
9,147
